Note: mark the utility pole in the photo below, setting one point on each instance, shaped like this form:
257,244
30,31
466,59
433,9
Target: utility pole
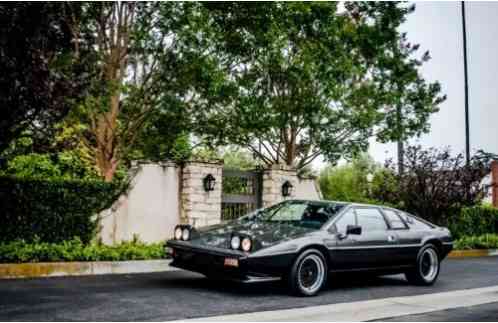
401,150
467,132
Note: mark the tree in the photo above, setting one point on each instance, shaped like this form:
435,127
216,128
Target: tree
348,182
142,68
43,67
436,184
304,79
412,97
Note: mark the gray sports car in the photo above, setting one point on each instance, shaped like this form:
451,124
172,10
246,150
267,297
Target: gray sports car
304,241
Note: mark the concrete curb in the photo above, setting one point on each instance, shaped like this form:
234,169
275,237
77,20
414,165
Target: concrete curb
473,253
55,269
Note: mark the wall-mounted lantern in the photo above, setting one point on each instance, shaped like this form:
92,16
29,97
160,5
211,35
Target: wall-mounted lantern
209,182
287,188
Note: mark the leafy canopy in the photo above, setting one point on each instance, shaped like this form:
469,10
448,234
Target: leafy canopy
43,72
291,81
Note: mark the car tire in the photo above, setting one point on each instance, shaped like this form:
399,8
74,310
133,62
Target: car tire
427,268
308,273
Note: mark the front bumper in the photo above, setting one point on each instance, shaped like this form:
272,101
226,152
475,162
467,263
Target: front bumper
210,261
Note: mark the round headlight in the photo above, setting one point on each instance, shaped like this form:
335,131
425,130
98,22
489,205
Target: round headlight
178,233
186,234
246,244
235,242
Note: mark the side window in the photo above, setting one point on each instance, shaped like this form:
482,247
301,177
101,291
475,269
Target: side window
394,219
370,219
346,219
416,224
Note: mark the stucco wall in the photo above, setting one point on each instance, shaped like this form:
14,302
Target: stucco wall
162,195
307,188
149,210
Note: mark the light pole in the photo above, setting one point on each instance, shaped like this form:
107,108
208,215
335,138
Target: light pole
467,132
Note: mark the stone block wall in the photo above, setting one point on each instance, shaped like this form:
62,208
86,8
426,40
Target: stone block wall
201,208
276,176
273,179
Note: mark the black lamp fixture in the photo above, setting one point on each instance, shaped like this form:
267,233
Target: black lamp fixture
287,188
209,182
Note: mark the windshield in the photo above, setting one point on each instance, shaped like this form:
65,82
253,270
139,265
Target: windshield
299,213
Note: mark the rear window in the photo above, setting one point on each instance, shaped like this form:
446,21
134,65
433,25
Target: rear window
394,219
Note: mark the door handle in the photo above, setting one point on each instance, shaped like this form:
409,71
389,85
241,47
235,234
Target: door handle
391,238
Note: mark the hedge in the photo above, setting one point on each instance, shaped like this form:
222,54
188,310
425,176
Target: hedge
485,241
51,210
474,221
76,250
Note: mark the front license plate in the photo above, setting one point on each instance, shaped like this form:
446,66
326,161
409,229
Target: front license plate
232,262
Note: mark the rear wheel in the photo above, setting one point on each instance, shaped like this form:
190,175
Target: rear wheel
427,267
308,273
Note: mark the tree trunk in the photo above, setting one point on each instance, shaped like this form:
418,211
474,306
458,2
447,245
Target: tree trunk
115,34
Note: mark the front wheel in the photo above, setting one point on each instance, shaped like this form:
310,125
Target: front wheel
308,273
426,270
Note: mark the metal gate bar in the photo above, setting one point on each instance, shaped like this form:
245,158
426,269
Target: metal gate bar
241,193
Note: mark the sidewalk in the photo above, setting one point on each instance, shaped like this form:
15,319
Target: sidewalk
373,309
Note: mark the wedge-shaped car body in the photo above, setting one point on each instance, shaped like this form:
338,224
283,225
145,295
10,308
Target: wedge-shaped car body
304,241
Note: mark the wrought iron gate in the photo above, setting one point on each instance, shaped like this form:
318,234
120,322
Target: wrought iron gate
241,193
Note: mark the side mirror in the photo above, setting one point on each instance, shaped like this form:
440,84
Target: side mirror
353,229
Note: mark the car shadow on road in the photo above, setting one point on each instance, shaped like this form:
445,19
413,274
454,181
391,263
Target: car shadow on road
335,283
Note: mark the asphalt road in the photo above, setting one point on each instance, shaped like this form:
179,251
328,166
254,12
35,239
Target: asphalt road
179,294
478,313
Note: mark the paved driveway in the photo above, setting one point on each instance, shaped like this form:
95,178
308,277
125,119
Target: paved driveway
180,294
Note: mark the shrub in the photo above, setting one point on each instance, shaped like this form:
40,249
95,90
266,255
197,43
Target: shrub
63,165
486,241
474,221
347,182
74,250
435,184
51,210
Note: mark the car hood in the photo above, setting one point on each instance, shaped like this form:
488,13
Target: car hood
263,234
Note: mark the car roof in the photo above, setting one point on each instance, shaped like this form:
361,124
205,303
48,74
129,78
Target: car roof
338,203
318,201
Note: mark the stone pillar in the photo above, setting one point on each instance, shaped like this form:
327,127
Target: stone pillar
273,179
494,182
198,207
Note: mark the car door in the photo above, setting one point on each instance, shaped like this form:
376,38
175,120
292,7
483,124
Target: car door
342,253
376,245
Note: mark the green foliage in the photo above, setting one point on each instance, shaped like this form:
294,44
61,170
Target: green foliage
347,182
75,250
43,72
239,159
384,187
64,165
474,221
52,210
485,241
309,79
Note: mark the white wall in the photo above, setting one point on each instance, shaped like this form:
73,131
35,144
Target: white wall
149,210
308,189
